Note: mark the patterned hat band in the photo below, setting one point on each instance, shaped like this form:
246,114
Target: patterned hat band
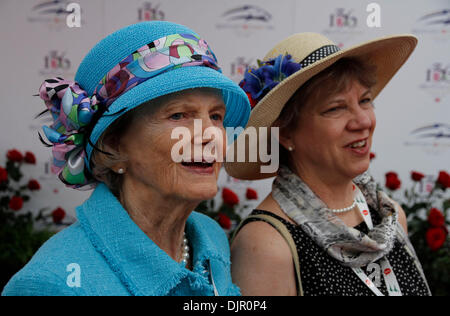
318,54
75,112
259,81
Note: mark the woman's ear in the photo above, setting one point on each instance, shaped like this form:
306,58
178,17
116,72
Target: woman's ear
111,144
284,137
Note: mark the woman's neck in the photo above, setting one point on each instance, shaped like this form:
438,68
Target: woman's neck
161,218
335,192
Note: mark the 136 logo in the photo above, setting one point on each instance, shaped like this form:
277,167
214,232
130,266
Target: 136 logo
150,12
437,81
343,18
437,73
56,64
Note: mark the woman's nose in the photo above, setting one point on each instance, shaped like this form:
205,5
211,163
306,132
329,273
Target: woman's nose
361,119
205,130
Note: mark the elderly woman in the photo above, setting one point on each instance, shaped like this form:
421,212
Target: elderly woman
325,229
137,233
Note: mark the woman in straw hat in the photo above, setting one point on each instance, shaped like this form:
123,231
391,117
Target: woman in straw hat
335,232
137,234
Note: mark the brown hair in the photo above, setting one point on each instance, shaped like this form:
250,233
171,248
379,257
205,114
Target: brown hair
332,80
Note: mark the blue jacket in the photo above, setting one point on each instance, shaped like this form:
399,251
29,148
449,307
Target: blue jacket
106,253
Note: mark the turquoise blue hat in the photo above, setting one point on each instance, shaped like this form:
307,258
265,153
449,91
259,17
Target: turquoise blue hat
112,49
131,66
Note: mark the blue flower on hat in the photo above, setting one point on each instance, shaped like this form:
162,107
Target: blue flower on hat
259,81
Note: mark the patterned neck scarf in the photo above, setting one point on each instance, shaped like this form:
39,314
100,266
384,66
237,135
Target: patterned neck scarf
346,244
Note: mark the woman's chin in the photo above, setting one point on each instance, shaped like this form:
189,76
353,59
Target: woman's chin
358,169
201,191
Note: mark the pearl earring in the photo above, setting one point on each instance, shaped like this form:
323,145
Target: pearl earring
290,148
120,171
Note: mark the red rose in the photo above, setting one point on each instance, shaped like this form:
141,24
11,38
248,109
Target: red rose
14,155
436,218
3,175
392,181
417,176
444,179
224,221
33,185
436,237
229,197
251,194
15,203
372,155
58,215
30,158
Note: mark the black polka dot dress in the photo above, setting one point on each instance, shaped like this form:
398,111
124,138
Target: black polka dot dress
321,274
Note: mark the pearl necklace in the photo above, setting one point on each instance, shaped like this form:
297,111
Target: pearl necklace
345,209
185,250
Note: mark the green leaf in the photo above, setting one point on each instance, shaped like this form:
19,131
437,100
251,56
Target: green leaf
446,205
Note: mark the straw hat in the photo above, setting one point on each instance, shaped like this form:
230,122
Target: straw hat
314,52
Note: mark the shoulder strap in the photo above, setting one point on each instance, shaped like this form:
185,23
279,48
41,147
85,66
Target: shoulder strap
281,228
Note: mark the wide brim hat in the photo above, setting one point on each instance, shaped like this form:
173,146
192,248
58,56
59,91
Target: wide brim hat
314,52
112,49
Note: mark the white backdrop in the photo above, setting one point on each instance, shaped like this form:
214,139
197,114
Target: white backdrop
413,111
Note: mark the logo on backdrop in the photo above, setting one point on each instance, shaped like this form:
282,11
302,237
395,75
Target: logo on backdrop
437,81
52,13
342,25
435,24
55,63
246,19
238,68
433,138
150,12
343,19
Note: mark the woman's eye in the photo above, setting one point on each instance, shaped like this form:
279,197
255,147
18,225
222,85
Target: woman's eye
367,102
216,117
335,109
176,116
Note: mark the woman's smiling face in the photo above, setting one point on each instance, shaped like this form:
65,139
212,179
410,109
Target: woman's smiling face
334,134
148,145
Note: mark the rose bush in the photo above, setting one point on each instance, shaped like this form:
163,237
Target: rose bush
19,236
427,215
229,213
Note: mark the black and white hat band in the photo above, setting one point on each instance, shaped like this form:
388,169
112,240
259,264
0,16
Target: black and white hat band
318,54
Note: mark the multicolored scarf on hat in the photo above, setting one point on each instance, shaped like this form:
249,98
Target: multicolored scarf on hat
75,112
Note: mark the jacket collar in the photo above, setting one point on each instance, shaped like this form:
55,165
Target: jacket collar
143,267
